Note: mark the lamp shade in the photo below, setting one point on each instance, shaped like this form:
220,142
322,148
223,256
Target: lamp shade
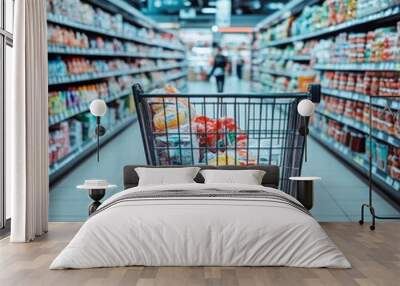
98,107
306,108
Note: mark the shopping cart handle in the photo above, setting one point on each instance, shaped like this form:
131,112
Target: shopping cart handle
315,92
137,91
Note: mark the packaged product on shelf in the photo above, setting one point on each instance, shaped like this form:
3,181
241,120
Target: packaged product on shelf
380,153
368,83
80,65
59,36
376,46
75,133
394,163
88,125
59,142
385,158
86,14
65,100
382,119
57,67
366,7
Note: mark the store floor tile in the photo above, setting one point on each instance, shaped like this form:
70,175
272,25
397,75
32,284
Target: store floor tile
338,195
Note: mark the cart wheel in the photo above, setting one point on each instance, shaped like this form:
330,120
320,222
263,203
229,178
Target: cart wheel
361,222
372,227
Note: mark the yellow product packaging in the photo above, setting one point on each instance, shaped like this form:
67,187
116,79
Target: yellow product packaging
169,119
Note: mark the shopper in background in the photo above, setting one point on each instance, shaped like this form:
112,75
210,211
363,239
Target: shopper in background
239,67
218,69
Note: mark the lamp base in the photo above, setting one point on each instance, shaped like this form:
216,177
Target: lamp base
96,195
303,130
100,130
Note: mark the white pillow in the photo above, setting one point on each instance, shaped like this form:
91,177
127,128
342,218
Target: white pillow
166,176
248,177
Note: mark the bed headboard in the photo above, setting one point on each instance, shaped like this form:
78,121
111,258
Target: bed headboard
271,177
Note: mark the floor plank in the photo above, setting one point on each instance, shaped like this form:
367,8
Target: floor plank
375,257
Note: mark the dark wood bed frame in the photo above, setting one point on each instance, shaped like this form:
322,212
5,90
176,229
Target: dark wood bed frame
270,179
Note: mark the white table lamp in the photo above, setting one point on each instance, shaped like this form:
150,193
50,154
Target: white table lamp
98,108
305,108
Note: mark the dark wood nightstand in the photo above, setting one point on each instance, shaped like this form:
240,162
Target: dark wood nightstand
96,192
305,190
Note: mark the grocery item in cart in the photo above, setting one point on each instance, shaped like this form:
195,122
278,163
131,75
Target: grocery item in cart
170,112
223,133
224,158
177,149
205,128
169,118
159,103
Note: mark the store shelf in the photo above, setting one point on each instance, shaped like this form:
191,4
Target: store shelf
64,21
95,76
295,58
299,58
279,73
391,13
381,66
54,119
291,8
383,136
360,163
285,73
103,53
175,77
79,153
85,106
378,101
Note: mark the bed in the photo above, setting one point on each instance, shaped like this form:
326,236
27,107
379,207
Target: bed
201,224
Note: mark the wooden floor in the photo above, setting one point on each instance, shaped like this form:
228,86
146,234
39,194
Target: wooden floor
375,257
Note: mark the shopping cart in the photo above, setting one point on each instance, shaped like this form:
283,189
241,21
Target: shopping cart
224,129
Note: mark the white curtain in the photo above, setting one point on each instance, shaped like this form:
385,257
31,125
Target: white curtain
27,123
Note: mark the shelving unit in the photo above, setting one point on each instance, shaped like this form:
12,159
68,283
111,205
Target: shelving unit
360,126
384,66
167,60
358,162
64,21
269,47
113,54
96,76
382,102
80,152
282,73
388,14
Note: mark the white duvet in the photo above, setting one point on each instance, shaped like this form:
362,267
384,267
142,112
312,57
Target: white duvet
193,231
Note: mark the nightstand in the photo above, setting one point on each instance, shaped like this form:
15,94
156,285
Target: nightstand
96,190
305,190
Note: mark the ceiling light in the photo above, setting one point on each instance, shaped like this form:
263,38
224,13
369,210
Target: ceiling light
208,10
275,6
157,4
